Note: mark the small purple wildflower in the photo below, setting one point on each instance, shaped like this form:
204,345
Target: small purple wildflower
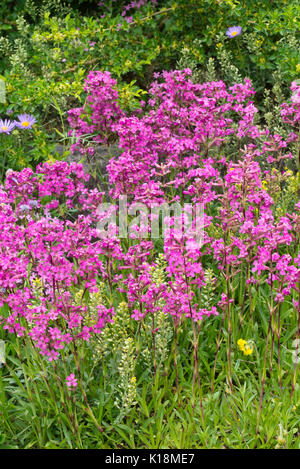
233,31
6,126
26,121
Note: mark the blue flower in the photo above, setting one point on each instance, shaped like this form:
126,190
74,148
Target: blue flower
233,31
26,121
6,126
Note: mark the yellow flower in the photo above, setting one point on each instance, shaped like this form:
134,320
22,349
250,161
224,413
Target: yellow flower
248,350
241,343
245,347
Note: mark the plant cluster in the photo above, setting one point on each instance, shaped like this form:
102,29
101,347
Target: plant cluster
64,287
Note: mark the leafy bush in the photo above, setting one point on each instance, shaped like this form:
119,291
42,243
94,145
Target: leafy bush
46,62
269,39
46,65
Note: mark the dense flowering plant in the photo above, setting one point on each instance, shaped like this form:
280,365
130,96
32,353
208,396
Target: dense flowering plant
68,293
176,151
100,111
47,249
172,152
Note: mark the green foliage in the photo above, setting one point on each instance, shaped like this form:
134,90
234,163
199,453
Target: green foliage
37,411
25,148
48,47
269,40
49,61
50,58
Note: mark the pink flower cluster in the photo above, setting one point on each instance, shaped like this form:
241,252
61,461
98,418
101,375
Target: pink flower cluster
48,248
172,152
100,111
291,112
170,147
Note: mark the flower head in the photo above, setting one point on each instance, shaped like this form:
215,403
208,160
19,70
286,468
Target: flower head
233,31
248,350
241,343
245,347
6,126
26,121
71,381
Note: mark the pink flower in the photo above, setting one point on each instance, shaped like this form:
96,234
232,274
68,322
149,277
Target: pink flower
71,381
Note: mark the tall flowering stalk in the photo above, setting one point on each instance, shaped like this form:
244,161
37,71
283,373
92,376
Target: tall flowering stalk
100,111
